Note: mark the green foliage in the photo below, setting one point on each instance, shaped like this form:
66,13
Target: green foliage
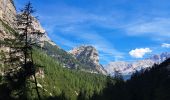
59,80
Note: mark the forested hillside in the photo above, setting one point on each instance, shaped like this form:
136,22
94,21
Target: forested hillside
150,84
63,57
58,80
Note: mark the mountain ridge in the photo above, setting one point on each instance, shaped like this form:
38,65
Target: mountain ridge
128,68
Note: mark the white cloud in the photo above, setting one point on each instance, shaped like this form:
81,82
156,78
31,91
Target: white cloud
139,52
166,45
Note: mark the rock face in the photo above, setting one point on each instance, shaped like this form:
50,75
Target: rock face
7,11
7,16
127,68
37,26
4,32
88,55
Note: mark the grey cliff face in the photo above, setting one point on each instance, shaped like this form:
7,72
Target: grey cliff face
88,55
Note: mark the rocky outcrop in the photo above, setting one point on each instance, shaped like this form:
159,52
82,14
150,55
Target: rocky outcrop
37,26
88,55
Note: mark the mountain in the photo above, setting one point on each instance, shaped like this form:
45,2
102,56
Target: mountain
55,79
82,58
89,56
149,84
63,57
127,68
160,58
88,59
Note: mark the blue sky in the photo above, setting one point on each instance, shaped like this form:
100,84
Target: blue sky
121,30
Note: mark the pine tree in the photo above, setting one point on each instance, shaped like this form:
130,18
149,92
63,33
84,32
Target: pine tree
18,61
28,35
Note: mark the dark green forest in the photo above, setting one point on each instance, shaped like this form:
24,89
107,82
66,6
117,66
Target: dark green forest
149,84
59,80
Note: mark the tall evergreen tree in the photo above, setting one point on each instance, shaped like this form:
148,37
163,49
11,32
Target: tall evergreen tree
28,36
18,61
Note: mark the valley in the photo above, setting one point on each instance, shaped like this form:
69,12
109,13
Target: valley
36,65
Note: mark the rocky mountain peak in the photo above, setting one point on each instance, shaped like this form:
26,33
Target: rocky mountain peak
127,68
88,55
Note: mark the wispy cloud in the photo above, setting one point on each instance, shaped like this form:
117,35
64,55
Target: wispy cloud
83,34
165,45
105,47
79,25
157,27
